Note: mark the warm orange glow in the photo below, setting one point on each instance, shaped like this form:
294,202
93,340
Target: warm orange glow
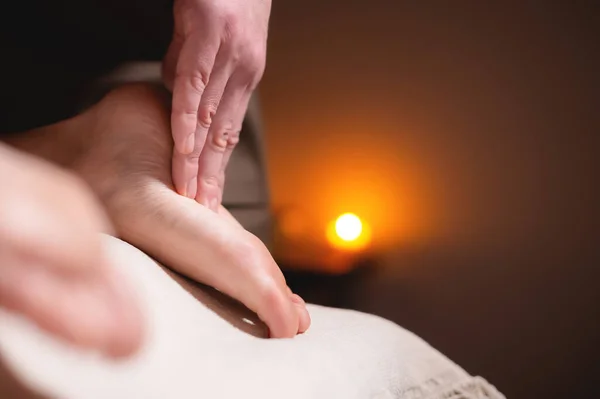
348,232
386,181
348,227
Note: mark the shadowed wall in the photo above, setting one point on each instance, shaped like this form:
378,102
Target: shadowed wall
466,134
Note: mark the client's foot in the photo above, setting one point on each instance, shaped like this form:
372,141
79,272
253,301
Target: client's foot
127,162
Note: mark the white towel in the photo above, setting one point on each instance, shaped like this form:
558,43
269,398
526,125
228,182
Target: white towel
202,345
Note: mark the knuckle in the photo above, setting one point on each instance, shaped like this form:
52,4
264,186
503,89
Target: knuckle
206,114
254,82
220,139
254,66
212,181
193,158
198,80
233,139
258,72
232,28
256,57
190,161
184,110
235,57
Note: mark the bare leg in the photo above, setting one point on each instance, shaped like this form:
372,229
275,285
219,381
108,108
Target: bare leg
125,146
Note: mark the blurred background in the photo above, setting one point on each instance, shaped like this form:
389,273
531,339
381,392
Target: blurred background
464,135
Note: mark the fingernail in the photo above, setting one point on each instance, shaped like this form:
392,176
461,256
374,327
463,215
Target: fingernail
189,144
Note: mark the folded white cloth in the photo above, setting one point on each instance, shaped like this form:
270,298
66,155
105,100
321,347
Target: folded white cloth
202,345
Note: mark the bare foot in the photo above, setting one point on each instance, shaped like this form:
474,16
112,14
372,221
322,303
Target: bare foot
52,268
127,146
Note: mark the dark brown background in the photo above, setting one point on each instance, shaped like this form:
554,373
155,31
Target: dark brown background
473,126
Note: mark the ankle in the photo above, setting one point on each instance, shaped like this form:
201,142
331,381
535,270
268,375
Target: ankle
60,143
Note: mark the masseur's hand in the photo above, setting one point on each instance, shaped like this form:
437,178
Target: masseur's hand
127,165
216,59
52,268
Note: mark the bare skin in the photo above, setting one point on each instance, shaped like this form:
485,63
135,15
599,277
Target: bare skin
52,267
124,149
216,59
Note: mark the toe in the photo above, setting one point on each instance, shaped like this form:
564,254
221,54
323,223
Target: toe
303,315
278,311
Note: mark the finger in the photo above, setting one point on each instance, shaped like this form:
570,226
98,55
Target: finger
185,167
40,226
192,74
185,171
233,139
49,248
84,310
211,158
169,64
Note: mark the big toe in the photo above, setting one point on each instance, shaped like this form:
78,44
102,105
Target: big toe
278,311
284,313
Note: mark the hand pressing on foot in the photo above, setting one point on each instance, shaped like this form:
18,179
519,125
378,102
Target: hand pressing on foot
52,268
126,148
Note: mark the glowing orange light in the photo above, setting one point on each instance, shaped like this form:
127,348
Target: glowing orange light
348,227
348,232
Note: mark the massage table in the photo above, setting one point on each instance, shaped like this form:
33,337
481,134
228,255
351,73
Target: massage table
201,344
